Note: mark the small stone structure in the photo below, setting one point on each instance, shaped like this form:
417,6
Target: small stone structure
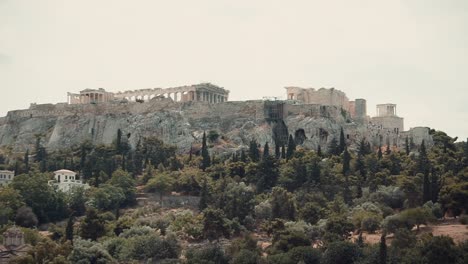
387,118
6,177
13,245
205,92
65,180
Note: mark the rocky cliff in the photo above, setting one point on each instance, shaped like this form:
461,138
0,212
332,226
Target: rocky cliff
182,124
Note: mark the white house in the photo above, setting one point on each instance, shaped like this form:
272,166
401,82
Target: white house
65,180
6,177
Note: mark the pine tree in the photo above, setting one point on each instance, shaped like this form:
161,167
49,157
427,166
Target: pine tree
407,146
383,250
291,147
204,194
342,141
266,150
206,161
254,153
26,161
69,229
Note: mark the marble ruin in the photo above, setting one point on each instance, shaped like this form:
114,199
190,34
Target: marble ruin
205,92
323,96
178,116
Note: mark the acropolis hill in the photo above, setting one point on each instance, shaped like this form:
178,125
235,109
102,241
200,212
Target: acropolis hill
180,115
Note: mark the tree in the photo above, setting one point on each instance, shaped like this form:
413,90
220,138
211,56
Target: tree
423,161
26,161
93,226
118,142
346,161
69,229
407,146
291,148
107,197
319,151
277,151
211,254
341,252
383,249
240,201
214,225
282,204
46,203
333,148
25,217
426,189
204,196
206,160
283,152
85,251
439,250
161,183
267,174
379,153
342,145
254,153
266,150
124,181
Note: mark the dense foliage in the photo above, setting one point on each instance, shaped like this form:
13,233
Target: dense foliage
290,198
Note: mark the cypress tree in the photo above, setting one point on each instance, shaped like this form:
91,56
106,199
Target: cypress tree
435,187
315,173
243,157
266,150
346,161
360,240
342,142
190,153
426,189
423,161
69,229
204,193
254,153
206,160
26,160
277,151
119,141
387,150
333,148
291,147
383,250
283,152
319,151
379,154
407,146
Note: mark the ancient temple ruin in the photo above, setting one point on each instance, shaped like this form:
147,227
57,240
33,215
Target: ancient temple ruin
205,92
387,118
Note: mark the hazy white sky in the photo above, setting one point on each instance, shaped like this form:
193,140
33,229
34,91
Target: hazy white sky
410,52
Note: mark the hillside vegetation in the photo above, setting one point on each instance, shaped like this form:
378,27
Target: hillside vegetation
264,204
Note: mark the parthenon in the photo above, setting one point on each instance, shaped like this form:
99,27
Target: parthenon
205,92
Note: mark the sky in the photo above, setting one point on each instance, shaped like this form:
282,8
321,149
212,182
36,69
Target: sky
413,53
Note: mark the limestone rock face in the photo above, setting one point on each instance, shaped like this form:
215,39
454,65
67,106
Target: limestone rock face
182,124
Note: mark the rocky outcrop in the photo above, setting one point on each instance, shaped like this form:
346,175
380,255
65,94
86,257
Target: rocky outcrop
182,124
